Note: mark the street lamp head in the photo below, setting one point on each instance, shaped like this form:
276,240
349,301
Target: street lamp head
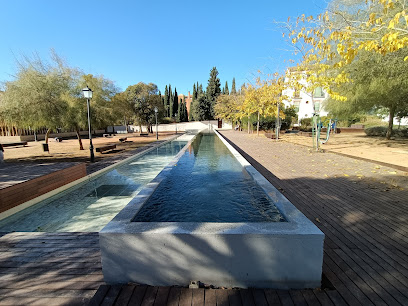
156,110
87,92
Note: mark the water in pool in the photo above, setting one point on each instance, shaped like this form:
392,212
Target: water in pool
208,184
91,206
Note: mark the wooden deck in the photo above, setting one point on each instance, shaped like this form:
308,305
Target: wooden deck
49,268
174,296
361,207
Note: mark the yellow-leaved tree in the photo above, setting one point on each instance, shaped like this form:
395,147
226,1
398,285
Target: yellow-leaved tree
333,41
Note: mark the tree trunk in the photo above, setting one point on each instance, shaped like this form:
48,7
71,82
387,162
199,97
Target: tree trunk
47,135
81,147
257,126
248,123
390,122
140,127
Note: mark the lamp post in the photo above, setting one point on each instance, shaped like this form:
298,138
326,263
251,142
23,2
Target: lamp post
175,117
157,131
88,95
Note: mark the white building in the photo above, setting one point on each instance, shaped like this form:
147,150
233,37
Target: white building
303,102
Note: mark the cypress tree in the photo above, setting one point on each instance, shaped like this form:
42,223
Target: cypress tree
179,112
191,113
233,90
223,91
175,101
226,88
200,90
212,92
170,102
194,92
166,99
185,111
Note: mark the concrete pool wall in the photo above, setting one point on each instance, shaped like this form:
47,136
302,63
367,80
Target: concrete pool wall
266,254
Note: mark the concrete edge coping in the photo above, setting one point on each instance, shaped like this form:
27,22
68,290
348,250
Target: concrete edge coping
297,223
79,182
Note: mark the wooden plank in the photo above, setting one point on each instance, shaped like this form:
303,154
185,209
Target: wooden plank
234,297
198,297
162,295
297,297
285,297
376,282
322,296
246,297
398,282
35,284
44,301
362,284
259,297
209,297
345,287
125,295
310,298
336,298
222,297
150,296
99,295
272,297
186,296
111,296
137,296
44,292
174,296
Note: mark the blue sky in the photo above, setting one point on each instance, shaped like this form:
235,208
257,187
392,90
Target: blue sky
176,42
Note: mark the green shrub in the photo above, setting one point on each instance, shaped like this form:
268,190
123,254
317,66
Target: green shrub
166,120
305,123
376,131
381,131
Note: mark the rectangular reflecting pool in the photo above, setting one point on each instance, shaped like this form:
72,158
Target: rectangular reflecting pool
89,206
209,216
208,184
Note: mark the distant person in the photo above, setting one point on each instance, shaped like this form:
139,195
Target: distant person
1,153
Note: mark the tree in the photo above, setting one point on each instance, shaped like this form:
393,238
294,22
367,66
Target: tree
212,92
170,102
226,88
166,100
204,109
103,110
228,108
194,92
36,98
233,90
200,90
349,29
379,82
144,98
175,102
